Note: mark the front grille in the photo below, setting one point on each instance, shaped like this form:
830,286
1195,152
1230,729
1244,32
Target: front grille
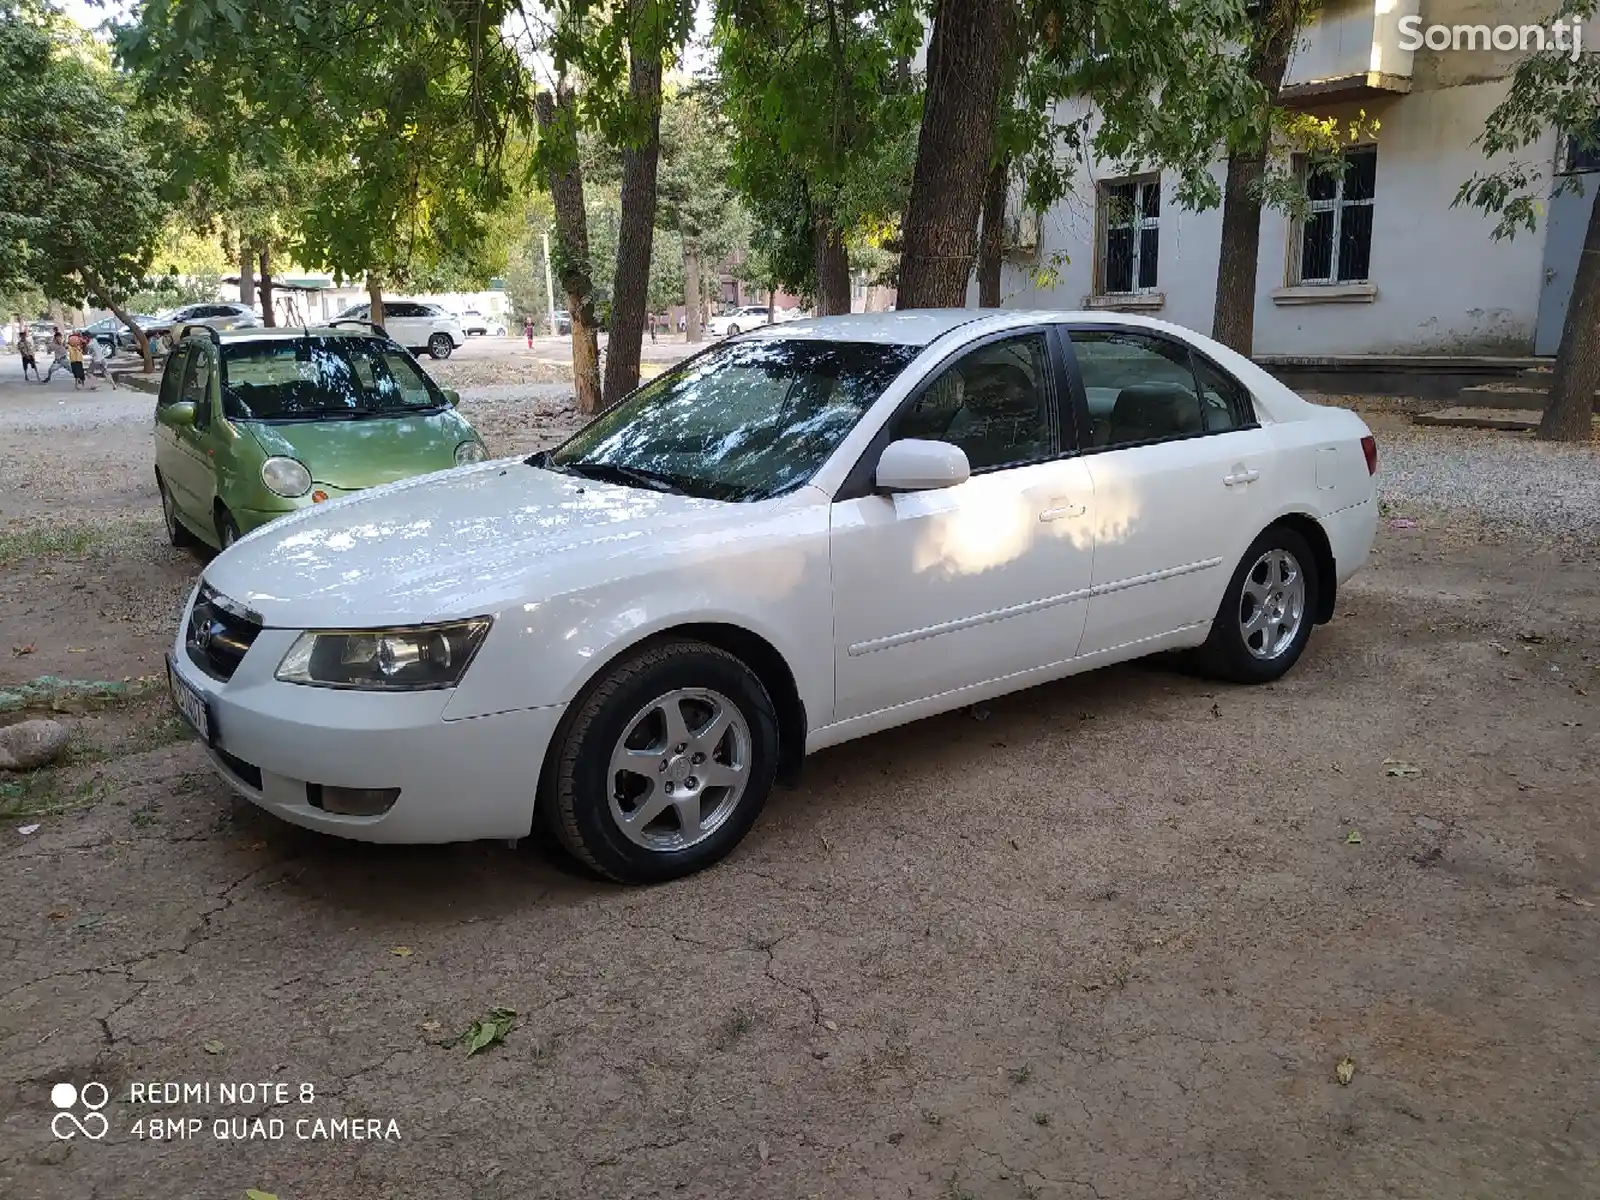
219,633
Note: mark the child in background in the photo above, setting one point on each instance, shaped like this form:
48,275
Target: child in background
75,362
25,348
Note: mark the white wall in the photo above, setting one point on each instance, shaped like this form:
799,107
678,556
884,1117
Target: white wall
1442,286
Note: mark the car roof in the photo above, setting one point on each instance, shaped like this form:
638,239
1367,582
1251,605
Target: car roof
908,327
284,333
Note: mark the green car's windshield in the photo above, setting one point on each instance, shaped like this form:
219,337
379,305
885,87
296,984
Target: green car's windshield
321,378
746,421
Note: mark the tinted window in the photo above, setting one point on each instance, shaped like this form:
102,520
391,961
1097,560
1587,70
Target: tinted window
320,378
743,422
1224,403
172,379
997,403
1139,388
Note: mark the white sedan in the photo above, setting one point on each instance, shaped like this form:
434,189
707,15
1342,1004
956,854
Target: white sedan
797,537
743,320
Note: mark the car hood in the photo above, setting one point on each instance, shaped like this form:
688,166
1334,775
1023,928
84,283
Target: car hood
460,543
352,455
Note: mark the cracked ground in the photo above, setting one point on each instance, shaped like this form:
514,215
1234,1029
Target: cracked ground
1111,940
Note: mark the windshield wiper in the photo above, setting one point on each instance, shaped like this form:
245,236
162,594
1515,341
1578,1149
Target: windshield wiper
655,481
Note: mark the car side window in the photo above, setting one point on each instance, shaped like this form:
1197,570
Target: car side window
997,403
172,379
1139,388
1224,402
196,385
400,310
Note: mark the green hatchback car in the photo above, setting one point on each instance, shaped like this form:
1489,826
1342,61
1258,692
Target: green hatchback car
255,423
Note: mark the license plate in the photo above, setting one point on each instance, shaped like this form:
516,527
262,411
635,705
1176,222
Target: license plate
191,705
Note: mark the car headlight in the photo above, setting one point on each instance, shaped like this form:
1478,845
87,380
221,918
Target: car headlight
470,452
413,659
286,476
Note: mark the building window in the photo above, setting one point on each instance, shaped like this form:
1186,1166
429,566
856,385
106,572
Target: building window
1130,236
1581,157
1334,238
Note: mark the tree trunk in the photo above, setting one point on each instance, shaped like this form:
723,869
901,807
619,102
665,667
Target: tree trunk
1233,315
833,269
691,290
1567,419
630,289
269,317
992,241
247,273
92,281
772,301
558,118
965,62
375,312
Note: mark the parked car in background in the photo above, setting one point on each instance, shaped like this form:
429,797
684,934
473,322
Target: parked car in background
563,322
415,325
475,324
801,536
114,334
253,424
219,316
739,320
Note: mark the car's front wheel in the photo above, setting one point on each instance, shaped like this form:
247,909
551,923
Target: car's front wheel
664,764
733,330
1267,612
440,345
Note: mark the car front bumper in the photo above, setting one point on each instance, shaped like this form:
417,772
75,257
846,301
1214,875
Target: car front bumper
458,779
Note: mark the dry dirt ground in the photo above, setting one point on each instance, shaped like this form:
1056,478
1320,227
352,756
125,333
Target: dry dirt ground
1111,941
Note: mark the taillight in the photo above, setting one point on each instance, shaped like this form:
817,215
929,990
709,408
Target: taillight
1369,447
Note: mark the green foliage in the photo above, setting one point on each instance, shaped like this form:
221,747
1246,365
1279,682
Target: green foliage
80,205
1550,93
403,118
823,110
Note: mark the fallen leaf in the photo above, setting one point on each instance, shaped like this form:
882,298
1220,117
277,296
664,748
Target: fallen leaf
1571,899
213,1047
1015,844
25,830
487,1031
253,1194
761,1149
89,921
1345,1071
19,651
401,951
59,914
1353,838
831,1026
1534,638
1396,769
77,649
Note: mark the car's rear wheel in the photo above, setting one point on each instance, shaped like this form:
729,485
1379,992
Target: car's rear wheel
440,345
732,330
177,532
1265,619
663,765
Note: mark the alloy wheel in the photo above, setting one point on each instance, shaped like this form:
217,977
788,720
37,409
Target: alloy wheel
1272,604
679,770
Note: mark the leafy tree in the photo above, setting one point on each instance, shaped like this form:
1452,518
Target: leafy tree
1551,92
823,105
80,205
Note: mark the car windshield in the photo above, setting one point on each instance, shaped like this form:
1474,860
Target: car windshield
322,378
745,421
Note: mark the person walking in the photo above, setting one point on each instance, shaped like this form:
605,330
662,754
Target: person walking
80,378
25,348
58,355
100,364
527,330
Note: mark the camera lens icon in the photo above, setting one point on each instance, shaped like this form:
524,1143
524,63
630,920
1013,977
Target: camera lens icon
66,1124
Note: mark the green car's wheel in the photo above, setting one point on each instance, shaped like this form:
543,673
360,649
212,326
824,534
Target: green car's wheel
177,532
227,529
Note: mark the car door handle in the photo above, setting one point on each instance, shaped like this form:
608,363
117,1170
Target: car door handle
1061,511
1241,476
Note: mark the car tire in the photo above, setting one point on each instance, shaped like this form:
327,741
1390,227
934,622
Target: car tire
177,532
733,330
227,529
727,730
1266,615
440,345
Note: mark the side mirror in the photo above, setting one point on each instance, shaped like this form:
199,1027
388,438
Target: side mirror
452,397
914,465
181,413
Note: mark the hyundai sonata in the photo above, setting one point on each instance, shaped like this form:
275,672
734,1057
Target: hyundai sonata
800,536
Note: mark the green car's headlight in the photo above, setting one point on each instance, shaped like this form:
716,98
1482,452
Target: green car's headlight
286,477
415,658
470,452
